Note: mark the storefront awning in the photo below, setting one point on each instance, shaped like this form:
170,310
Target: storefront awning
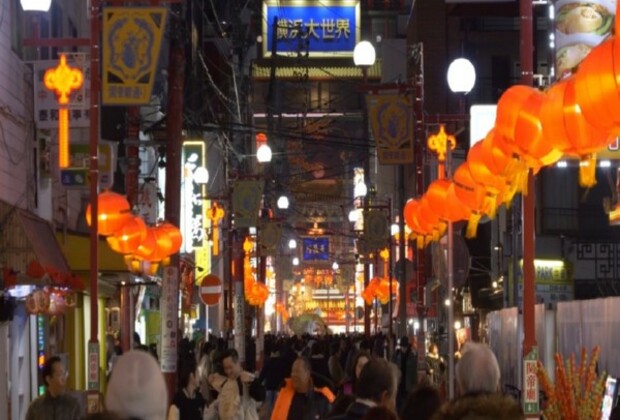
76,248
25,237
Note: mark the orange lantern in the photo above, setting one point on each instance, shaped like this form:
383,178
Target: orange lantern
508,109
113,211
148,246
411,212
528,137
596,90
174,234
482,175
446,206
470,194
129,237
497,155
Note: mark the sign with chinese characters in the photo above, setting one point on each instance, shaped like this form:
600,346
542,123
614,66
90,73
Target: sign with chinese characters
93,366
130,47
169,319
376,229
193,221
315,248
530,382
330,28
76,175
46,106
391,122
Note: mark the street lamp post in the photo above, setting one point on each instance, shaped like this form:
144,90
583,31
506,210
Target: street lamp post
364,57
461,80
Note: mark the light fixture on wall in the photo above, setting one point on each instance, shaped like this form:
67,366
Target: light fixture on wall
36,5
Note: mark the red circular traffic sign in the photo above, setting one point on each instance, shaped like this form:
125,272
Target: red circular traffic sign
210,289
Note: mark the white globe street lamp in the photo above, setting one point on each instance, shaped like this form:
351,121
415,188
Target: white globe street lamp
283,202
461,76
36,5
364,54
353,216
263,154
335,266
292,244
295,261
360,190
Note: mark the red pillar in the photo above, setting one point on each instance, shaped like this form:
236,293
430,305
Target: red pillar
530,399
174,127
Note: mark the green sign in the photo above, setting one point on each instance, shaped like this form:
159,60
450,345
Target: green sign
530,382
77,175
93,366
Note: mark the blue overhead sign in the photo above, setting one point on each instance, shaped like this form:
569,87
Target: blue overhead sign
315,248
322,28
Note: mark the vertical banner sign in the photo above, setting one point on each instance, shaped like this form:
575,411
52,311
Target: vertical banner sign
76,175
169,319
331,28
530,382
376,229
239,305
93,366
391,122
247,197
579,27
193,203
130,46
269,237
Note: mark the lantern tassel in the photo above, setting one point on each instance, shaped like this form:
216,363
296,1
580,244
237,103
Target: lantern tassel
587,171
490,205
420,241
472,225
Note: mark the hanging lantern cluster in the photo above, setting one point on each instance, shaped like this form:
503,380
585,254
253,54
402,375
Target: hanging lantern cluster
144,247
575,117
379,287
50,301
283,312
256,293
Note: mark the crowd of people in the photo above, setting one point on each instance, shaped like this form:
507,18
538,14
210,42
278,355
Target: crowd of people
303,378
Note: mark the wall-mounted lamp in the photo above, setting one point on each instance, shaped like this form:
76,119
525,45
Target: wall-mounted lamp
36,5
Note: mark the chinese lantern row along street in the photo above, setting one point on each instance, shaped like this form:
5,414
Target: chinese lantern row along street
144,246
256,293
575,117
379,287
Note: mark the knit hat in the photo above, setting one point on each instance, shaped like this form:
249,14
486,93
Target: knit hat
137,388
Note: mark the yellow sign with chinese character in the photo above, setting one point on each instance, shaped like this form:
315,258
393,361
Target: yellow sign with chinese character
391,122
130,45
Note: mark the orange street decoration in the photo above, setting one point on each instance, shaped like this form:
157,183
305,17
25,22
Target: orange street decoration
440,143
129,237
215,213
63,79
113,212
577,392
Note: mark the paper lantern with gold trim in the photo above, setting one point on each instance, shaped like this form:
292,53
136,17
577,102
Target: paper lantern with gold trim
444,203
470,194
113,211
596,90
497,154
148,246
495,185
129,237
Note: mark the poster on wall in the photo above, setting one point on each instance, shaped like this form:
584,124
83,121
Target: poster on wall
579,27
169,319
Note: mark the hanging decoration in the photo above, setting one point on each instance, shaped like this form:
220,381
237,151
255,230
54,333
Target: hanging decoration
113,212
575,117
215,213
63,79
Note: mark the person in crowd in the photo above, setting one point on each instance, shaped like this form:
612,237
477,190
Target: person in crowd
187,404
341,404
55,404
335,368
299,399
376,387
272,376
421,404
406,359
380,413
320,369
478,385
481,407
205,368
137,388
477,371
239,395
436,365
360,360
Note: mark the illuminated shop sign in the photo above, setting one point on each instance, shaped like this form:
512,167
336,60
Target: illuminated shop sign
332,28
315,248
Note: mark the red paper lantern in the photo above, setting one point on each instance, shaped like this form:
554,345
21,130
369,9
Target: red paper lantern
148,246
113,211
129,237
174,234
444,204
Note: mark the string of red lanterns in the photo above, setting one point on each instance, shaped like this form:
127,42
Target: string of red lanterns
575,117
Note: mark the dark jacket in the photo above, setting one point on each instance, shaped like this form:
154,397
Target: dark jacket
482,407
46,407
316,404
273,373
356,411
407,362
